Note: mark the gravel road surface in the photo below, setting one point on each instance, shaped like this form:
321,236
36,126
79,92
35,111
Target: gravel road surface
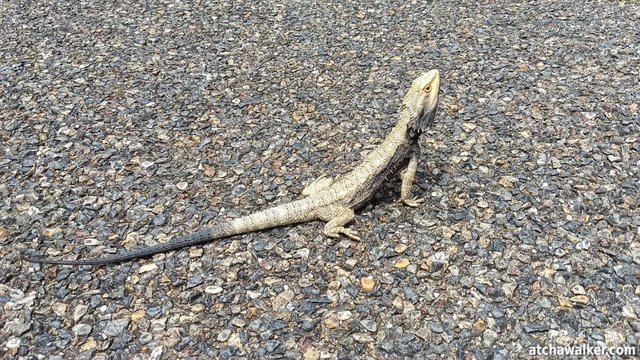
129,123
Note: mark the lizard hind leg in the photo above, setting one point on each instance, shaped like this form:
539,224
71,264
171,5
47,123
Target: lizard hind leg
337,217
318,184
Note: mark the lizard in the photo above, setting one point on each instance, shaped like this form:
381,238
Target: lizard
332,200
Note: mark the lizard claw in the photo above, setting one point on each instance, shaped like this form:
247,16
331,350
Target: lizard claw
351,234
412,202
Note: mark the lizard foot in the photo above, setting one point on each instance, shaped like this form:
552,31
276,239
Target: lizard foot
351,234
412,202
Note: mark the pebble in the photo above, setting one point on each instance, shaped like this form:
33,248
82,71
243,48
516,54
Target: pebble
367,285
369,325
400,248
147,268
115,327
13,343
182,185
79,312
311,353
580,299
213,290
59,309
195,281
402,263
331,321
82,329
224,335
344,315
362,338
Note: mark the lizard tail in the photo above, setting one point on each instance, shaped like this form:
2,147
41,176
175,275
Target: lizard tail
285,214
198,237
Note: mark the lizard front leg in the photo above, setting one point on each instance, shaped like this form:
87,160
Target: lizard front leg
318,184
337,217
407,176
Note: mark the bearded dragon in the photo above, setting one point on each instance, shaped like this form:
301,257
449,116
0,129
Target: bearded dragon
332,200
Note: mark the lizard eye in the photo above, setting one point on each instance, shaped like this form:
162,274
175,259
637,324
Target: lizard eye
427,88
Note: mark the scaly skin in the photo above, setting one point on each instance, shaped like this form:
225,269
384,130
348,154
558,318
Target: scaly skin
326,199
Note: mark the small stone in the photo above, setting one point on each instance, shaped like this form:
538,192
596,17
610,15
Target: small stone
13,343
426,265
116,327
89,344
613,338
351,262
79,312
367,285
209,171
509,289
436,328
308,325
423,333
282,299
628,312
154,312
507,181
334,285
531,328
195,252
224,335
194,281
278,324
19,327
182,185
578,290
447,232
402,263
82,329
213,290
91,242
469,127
564,302
479,325
234,340
59,308
398,303
331,321
362,338
489,337
272,345
156,353
137,315
344,315
580,299
146,164
147,267
238,322
369,325
311,354
400,248
51,232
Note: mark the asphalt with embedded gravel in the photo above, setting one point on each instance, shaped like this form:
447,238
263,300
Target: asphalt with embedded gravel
127,124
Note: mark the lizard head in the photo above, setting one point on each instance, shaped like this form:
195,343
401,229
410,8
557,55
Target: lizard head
422,102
